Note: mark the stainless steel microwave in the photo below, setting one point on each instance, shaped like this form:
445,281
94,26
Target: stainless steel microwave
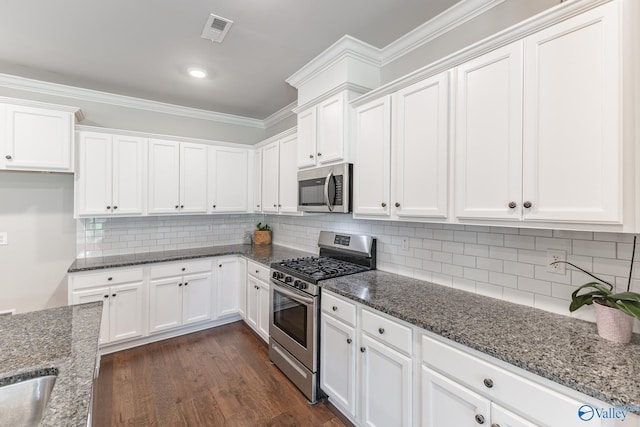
325,189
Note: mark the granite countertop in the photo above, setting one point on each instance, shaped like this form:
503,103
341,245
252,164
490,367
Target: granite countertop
63,339
562,349
261,254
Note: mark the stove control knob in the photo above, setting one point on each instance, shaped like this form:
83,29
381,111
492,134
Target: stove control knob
296,284
274,275
288,279
303,285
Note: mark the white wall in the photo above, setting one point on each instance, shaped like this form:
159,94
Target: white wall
503,263
491,22
36,210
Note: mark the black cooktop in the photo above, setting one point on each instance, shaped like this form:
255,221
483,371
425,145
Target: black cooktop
317,268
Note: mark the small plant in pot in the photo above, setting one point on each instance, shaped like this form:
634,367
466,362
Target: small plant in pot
615,312
262,234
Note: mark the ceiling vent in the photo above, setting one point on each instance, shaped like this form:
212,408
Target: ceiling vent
216,28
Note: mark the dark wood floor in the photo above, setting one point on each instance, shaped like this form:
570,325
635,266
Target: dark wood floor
218,377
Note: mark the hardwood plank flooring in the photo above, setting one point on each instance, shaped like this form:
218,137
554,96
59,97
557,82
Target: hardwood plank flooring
218,377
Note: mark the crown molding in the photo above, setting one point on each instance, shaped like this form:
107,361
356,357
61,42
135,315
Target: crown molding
283,134
281,114
446,21
345,47
336,90
22,83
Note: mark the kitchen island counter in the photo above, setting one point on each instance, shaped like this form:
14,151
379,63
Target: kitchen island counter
63,339
562,349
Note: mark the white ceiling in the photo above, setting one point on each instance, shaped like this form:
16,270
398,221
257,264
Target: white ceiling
142,48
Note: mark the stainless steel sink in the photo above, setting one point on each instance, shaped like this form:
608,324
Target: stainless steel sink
23,403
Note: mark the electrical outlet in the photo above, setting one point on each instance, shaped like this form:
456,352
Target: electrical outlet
4,238
553,256
405,243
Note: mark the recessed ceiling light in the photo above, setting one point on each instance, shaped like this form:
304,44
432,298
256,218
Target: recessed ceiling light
198,73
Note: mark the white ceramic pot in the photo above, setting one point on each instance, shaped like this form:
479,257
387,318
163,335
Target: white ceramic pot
613,324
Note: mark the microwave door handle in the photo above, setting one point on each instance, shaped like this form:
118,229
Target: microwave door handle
326,191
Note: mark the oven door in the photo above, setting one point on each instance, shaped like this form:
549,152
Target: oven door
293,323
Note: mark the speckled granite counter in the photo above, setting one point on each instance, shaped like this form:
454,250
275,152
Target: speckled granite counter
562,349
65,339
262,254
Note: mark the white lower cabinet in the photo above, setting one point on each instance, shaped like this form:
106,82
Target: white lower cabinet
367,365
122,293
229,285
257,297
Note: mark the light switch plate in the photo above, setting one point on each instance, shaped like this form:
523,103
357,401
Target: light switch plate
4,238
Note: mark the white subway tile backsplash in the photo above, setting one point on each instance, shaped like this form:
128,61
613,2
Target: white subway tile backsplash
518,269
535,286
464,260
546,243
505,280
612,267
594,248
536,232
465,236
541,273
490,239
554,305
532,257
476,250
453,247
476,274
520,242
489,264
518,297
489,290
507,254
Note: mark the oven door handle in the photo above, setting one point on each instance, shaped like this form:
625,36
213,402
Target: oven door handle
326,191
293,295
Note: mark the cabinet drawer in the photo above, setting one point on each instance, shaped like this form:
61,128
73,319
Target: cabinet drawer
542,404
258,270
387,331
180,268
339,309
107,277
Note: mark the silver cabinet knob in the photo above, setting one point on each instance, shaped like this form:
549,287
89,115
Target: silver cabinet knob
108,208
257,271
397,205
257,206
275,206
279,206
381,331
527,204
362,349
512,205
319,154
383,204
334,308
488,382
181,206
186,283
214,206
311,156
479,419
8,157
177,206
349,341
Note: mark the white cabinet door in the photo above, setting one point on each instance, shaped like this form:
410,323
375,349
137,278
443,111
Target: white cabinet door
228,179
288,188
128,175
264,308
338,363
331,129
228,286
257,180
193,178
94,295
126,312
447,403
164,177
420,149
93,177
504,418
572,101
270,175
372,173
386,385
38,139
253,299
165,304
307,134
488,158
196,298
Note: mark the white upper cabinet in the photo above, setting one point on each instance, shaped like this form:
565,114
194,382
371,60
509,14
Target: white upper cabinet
419,147
572,142
372,172
322,132
280,175
257,180
488,158
36,138
110,178
177,177
228,179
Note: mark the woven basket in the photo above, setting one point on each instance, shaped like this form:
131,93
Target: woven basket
613,324
262,237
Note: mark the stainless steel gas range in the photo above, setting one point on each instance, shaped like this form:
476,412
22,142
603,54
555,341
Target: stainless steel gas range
295,303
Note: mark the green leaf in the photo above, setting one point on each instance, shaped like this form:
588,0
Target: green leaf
580,300
632,308
626,296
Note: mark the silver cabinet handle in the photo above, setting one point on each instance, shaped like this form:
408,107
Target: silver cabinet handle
480,419
381,331
397,205
334,308
348,340
512,205
383,204
527,204
362,349
488,382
